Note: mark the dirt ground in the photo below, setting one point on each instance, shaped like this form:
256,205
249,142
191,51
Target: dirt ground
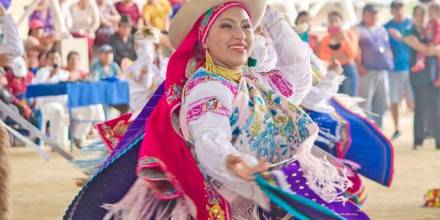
42,190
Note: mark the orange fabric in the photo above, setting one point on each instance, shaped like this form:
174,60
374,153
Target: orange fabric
346,53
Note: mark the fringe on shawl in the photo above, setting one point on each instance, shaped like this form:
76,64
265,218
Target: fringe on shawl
140,203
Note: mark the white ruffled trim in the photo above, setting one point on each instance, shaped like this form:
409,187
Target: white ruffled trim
322,177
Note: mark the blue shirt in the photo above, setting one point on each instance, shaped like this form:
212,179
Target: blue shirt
401,52
98,72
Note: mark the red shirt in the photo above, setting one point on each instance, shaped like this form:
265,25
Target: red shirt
18,86
76,75
130,10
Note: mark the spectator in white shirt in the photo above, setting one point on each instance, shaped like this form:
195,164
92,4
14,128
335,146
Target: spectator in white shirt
54,109
85,18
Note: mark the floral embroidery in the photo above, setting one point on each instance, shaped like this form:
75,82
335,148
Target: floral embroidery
216,203
203,106
173,93
280,83
202,76
270,127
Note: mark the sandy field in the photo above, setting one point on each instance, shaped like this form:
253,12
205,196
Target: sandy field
42,190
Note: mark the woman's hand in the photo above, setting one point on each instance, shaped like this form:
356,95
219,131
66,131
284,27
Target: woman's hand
336,67
240,168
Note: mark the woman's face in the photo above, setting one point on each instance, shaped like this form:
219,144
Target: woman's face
335,21
74,62
230,39
38,33
419,17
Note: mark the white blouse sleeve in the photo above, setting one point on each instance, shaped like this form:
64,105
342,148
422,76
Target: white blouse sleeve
211,132
317,99
293,55
13,43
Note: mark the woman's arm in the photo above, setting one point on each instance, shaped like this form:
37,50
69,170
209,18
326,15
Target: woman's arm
414,43
95,19
293,54
206,111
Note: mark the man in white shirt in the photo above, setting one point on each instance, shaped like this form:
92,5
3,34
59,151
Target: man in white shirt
52,73
54,108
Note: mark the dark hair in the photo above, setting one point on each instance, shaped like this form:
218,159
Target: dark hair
335,14
301,14
434,6
71,54
53,51
125,20
418,7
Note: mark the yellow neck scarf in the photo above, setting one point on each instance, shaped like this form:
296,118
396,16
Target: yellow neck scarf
232,75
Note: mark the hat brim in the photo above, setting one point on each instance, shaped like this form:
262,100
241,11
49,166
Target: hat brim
191,11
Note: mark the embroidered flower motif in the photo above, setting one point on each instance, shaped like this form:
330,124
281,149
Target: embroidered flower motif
209,104
280,83
173,93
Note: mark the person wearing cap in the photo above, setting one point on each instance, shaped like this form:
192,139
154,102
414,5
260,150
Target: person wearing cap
45,15
36,39
18,79
374,60
36,43
216,128
399,77
105,67
122,41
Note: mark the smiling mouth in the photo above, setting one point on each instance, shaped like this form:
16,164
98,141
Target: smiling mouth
241,48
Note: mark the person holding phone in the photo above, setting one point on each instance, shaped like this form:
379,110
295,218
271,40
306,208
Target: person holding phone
341,45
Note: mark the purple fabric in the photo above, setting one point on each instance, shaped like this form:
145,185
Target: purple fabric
374,47
117,174
48,21
5,3
298,184
138,126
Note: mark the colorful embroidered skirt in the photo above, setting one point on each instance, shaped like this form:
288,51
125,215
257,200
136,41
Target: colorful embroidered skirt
347,135
118,174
